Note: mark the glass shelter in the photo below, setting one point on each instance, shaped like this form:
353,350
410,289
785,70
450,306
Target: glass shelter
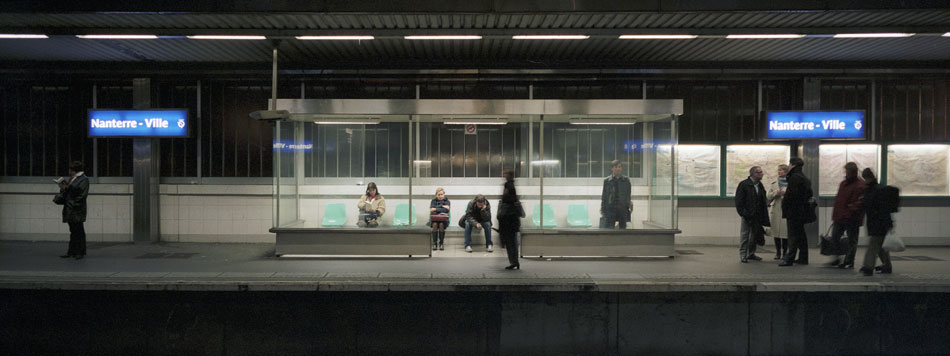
562,152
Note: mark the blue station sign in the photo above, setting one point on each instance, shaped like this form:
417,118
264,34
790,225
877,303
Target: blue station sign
797,125
138,123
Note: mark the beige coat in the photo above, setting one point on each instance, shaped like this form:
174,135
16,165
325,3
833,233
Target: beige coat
779,228
378,204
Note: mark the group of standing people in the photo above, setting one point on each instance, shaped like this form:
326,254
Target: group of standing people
789,203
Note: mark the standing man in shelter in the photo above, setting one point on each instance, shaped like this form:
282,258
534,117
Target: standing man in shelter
615,199
72,196
796,210
752,206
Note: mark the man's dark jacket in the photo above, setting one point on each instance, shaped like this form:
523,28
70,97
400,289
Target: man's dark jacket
475,216
748,205
621,191
73,198
795,205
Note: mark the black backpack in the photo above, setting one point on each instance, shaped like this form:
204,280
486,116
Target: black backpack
890,199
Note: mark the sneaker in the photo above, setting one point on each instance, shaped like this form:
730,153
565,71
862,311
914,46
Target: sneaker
490,249
468,249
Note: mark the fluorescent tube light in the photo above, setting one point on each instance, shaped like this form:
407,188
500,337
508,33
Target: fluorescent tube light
657,37
550,37
349,122
872,35
335,38
18,35
226,37
766,36
476,122
545,161
946,34
118,37
596,121
422,162
444,37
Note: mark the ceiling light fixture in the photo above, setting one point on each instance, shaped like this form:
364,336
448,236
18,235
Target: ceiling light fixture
601,121
226,37
18,35
657,37
444,37
766,36
349,122
476,122
872,35
118,37
550,37
335,38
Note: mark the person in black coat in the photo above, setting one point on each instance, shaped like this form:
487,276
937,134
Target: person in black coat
752,206
879,222
615,198
795,209
510,213
72,196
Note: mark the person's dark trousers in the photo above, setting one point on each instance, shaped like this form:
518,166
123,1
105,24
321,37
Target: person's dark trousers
615,217
486,226
510,239
874,251
837,231
797,242
77,239
781,247
746,242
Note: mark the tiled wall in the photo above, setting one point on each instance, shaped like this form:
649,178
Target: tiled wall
189,213
243,214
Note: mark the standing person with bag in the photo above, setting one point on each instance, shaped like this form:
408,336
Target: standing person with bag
777,226
439,218
797,209
879,223
510,213
72,196
847,216
752,208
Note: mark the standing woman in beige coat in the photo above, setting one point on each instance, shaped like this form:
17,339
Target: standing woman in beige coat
779,228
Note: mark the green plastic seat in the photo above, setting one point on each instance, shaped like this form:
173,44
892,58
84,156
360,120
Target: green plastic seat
335,215
577,216
548,216
401,217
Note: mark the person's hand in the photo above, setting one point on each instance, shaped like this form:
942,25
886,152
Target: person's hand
479,226
432,210
780,192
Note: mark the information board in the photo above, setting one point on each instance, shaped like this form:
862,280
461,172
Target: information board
816,125
138,123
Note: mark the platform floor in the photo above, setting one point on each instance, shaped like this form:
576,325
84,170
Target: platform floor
240,267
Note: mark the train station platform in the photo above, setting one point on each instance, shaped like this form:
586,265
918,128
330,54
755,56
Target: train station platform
241,267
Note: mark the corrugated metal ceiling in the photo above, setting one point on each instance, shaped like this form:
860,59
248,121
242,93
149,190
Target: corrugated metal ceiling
496,50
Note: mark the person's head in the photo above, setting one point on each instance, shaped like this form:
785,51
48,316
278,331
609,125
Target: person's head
756,173
75,167
480,201
616,167
783,170
371,189
868,176
850,170
796,162
440,193
508,174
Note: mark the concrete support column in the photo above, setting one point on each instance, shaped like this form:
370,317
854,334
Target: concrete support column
145,166
808,150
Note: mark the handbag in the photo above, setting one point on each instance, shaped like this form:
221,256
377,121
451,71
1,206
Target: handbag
893,242
811,214
828,246
439,217
758,233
